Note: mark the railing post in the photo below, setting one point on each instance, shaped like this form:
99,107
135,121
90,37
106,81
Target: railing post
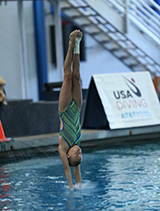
126,16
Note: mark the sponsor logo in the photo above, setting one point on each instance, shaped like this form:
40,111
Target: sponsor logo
130,99
133,90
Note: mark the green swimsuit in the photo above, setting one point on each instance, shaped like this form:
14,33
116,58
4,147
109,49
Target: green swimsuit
71,131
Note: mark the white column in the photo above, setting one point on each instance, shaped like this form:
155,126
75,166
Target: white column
58,37
23,50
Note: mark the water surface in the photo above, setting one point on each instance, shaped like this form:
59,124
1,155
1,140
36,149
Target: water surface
121,178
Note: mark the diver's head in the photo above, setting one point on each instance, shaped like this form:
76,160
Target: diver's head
74,155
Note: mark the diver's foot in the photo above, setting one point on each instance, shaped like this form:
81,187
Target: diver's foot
72,37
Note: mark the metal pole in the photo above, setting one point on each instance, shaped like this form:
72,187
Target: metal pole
126,16
58,37
22,50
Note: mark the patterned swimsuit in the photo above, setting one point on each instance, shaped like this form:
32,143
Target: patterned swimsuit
71,131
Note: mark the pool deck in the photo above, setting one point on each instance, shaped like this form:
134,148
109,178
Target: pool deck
90,138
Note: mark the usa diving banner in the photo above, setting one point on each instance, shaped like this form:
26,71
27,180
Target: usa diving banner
127,100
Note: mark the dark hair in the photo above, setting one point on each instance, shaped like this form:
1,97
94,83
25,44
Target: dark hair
73,162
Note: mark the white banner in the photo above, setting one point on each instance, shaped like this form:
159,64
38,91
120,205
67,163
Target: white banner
129,99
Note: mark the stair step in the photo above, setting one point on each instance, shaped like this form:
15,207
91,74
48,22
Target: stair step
84,25
92,30
76,3
130,61
132,52
82,3
96,33
101,20
95,21
141,53
113,36
105,42
102,38
142,60
112,46
121,53
129,44
120,36
114,49
83,21
124,57
137,67
110,27
126,45
102,27
71,12
87,11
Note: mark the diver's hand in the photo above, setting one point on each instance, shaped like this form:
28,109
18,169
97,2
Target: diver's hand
71,188
77,186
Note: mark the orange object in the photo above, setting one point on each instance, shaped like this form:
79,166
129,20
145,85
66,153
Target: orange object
155,82
2,135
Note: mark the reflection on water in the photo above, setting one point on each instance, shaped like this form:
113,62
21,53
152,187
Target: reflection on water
74,200
4,186
126,178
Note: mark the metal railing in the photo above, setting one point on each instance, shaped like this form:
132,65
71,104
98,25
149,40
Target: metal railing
105,22
140,14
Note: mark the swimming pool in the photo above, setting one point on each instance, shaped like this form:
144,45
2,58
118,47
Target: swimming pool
121,178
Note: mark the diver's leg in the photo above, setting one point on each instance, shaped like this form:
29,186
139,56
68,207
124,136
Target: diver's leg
76,86
66,90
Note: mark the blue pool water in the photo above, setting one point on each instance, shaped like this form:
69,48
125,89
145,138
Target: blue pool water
121,178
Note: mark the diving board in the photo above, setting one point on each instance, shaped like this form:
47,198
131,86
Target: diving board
121,100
